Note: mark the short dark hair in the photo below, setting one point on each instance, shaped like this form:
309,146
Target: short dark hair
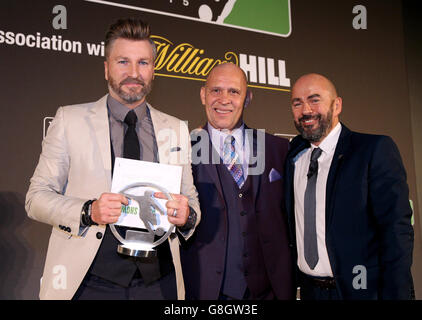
131,29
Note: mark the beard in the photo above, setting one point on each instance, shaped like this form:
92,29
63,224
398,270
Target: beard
134,94
320,132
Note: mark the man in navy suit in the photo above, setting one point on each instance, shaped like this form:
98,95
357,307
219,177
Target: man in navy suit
240,249
348,203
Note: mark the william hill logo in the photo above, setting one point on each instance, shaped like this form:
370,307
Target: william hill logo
185,61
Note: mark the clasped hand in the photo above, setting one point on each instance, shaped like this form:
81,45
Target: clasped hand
107,209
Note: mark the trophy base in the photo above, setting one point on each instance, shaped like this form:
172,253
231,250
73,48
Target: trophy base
136,250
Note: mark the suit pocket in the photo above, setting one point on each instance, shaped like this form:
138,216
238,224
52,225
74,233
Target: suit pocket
60,234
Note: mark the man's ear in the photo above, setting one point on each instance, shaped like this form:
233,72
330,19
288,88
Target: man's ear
202,95
338,106
106,70
248,98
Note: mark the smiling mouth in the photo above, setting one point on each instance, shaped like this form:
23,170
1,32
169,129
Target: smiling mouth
220,111
308,121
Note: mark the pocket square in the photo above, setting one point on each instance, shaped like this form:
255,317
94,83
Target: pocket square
274,175
175,149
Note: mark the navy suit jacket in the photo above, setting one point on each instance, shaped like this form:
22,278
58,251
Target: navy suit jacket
367,216
268,263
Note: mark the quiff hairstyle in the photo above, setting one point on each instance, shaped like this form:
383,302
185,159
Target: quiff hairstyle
130,29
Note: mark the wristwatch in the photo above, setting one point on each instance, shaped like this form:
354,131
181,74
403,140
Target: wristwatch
86,214
191,221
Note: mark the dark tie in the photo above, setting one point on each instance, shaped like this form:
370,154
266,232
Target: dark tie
131,149
310,236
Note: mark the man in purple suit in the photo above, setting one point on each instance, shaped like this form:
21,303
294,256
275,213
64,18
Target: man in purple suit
240,250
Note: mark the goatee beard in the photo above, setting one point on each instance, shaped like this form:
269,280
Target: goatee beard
315,135
133,95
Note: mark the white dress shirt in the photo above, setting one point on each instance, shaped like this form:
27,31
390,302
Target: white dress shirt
328,146
241,144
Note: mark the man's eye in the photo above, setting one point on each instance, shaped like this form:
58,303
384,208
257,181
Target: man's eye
143,63
122,62
234,92
297,105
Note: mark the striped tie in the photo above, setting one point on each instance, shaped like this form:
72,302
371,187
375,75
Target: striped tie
231,161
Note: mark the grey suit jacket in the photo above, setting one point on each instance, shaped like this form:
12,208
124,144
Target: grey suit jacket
75,166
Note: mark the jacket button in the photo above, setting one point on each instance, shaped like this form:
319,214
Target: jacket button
242,213
99,235
68,229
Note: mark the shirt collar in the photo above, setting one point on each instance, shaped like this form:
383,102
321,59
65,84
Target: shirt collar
218,137
222,134
119,111
330,141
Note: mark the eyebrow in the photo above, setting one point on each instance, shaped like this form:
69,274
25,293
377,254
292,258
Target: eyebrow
222,88
127,58
316,95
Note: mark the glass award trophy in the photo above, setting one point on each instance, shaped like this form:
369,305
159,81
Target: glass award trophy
136,242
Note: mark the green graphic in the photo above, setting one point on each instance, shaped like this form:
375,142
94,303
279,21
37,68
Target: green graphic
129,210
264,16
272,16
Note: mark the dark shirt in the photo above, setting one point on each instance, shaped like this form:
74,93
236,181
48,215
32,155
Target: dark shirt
144,129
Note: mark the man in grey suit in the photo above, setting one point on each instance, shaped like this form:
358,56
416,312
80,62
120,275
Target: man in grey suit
70,189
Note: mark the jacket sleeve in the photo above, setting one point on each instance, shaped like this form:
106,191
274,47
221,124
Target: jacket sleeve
45,199
188,188
389,199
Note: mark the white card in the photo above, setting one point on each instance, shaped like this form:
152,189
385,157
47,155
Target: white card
128,171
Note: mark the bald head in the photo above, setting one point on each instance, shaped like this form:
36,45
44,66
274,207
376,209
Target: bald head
315,106
231,68
318,79
225,95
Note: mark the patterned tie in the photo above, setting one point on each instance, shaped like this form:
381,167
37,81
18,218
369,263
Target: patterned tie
310,236
131,148
231,161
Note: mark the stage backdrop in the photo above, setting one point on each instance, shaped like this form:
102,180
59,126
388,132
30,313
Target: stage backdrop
51,54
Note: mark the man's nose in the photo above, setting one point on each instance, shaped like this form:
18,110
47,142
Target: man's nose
134,71
224,97
306,109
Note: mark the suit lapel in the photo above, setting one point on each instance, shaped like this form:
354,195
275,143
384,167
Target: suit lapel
297,145
211,169
100,125
253,154
164,142
341,152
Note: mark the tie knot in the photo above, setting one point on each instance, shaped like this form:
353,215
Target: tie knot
229,140
316,153
131,118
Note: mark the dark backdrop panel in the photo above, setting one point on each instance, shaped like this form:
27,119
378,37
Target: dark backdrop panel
368,67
